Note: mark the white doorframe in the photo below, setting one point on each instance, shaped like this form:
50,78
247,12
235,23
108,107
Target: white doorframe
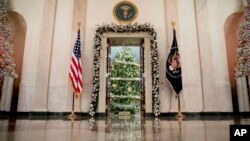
147,67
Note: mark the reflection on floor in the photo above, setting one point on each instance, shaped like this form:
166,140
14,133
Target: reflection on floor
118,128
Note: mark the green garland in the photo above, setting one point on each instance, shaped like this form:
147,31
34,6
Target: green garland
7,55
154,60
242,67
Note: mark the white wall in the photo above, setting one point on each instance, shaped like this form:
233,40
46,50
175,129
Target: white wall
222,101
58,98
100,12
32,12
159,13
190,57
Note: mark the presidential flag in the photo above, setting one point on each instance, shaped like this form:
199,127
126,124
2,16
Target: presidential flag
75,73
173,66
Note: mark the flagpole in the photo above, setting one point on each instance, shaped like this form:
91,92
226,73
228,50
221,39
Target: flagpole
179,122
173,24
72,116
78,25
179,114
78,78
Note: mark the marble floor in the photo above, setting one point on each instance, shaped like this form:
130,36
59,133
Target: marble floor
58,128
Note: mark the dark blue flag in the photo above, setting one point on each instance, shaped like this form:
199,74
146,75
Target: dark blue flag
173,66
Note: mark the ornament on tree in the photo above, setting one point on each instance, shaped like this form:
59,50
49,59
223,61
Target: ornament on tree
243,51
114,85
129,89
7,61
124,74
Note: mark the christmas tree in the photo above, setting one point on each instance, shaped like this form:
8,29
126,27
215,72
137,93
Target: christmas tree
243,51
125,82
7,61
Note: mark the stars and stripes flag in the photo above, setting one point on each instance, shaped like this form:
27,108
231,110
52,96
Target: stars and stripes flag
173,66
75,73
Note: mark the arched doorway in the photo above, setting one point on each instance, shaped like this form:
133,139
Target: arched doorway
238,86
19,29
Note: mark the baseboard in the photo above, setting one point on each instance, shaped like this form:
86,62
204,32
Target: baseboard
100,115
41,115
208,114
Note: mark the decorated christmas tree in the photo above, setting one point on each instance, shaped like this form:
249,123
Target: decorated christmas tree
125,82
7,61
243,51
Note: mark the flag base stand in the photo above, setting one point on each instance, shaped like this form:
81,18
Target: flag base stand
179,115
72,116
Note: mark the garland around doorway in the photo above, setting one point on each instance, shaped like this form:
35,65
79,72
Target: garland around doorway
154,60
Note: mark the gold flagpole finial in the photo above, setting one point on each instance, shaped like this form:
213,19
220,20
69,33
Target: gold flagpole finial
78,25
173,24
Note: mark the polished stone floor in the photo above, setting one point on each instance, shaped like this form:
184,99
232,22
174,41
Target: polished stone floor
58,128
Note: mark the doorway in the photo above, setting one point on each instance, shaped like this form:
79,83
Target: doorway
9,95
125,90
104,36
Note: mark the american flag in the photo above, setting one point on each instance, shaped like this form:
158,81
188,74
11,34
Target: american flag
75,73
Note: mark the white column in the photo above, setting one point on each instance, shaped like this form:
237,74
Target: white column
205,50
59,100
191,96
243,98
44,57
170,103
7,89
222,100
79,16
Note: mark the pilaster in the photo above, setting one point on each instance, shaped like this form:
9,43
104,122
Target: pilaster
44,58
